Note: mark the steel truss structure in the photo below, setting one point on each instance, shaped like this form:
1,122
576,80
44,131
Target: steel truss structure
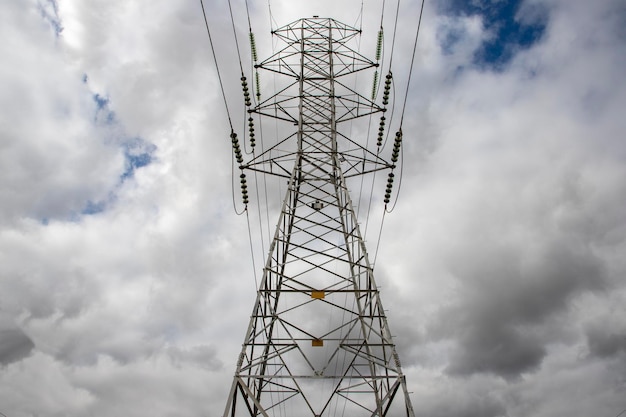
318,342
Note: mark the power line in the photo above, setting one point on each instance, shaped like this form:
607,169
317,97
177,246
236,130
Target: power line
395,27
232,20
217,67
417,33
406,95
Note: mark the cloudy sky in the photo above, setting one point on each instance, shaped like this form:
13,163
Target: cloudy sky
126,278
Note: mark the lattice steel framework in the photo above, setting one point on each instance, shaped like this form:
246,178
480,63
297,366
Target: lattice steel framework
318,343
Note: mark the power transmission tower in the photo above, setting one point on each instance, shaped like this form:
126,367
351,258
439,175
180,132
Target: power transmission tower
318,343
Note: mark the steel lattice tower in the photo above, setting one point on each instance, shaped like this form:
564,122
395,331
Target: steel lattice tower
318,343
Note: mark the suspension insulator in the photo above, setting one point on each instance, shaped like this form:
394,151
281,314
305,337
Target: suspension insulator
236,148
388,78
244,188
381,131
374,85
396,146
253,47
246,92
258,85
390,179
379,44
251,131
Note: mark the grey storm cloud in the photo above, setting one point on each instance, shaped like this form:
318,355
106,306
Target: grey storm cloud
607,341
509,297
15,345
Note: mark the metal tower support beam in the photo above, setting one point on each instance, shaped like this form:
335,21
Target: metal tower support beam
318,342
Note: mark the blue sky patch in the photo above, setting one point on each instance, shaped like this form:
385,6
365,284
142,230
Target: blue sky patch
94,207
138,154
101,102
50,12
510,34
103,113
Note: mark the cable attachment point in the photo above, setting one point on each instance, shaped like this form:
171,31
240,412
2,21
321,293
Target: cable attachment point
251,131
388,78
246,92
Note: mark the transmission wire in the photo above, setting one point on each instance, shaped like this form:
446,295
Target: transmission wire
248,14
219,77
232,20
359,18
256,175
406,95
367,217
395,27
283,406
251,248
272,20
393,106
344,357
380,234
382,60
230,120
393,46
